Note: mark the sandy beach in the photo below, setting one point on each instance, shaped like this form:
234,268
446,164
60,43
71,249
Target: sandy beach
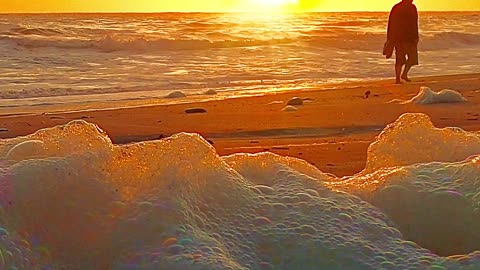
331,130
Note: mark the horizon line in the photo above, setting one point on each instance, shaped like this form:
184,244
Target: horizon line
212,12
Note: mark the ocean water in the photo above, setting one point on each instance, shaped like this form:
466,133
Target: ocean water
138,56
70,199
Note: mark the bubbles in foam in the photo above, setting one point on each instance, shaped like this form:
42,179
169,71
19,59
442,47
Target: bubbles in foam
413,139
26,150
85,203
77,137
434,204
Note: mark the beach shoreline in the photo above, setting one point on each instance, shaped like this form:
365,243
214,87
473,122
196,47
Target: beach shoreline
331,130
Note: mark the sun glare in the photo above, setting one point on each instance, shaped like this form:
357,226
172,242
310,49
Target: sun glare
277,2
272,5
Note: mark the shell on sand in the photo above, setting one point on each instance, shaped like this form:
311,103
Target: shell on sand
290,108
176,94
296,101
275,102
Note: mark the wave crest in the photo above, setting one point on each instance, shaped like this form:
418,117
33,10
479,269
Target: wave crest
35,31
322,37
367,41
113,43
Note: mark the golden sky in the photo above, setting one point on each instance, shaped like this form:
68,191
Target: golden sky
223,5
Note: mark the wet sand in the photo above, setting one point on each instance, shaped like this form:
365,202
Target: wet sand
331,130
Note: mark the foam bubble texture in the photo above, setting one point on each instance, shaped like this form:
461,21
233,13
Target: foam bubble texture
71,199
413,139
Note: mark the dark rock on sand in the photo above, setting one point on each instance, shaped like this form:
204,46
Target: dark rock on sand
210,92
196,110
176,94
296,101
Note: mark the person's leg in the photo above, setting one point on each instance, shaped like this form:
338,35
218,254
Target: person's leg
408,66
398,71
412,54
400,60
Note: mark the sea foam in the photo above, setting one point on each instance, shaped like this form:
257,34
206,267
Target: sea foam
77,201
428,96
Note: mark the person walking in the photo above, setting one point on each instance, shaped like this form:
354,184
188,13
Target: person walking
403,36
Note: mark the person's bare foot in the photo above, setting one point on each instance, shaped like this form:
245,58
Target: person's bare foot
406,78
398,82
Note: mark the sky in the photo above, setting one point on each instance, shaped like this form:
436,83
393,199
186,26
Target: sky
224,5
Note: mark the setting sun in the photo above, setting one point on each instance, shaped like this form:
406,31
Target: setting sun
276,2
268,5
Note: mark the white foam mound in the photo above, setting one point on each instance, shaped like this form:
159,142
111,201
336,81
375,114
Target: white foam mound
175,204
435,205
26,150
428,96
77,137
413,139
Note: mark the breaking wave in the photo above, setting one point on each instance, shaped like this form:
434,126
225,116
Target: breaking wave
368,41
26,31
70,199
340,38
446,40
111,43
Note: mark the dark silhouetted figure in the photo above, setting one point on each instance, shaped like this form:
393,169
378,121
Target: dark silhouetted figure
402,34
